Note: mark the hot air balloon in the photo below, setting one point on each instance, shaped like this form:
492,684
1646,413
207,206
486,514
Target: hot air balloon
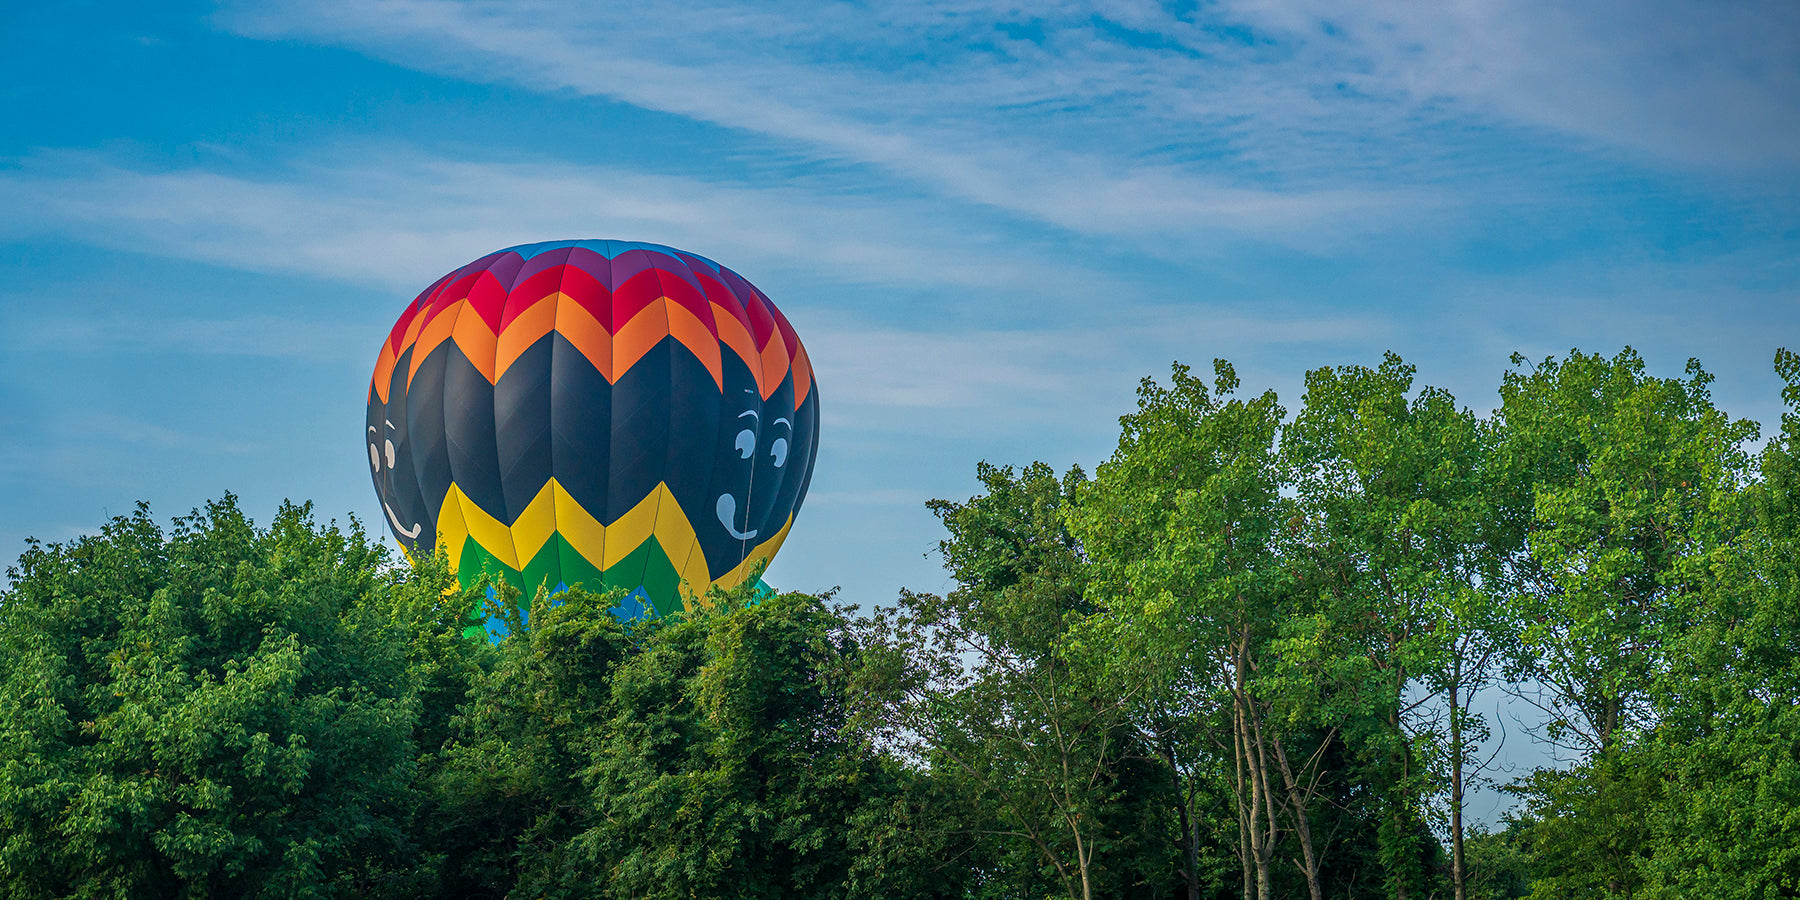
601,413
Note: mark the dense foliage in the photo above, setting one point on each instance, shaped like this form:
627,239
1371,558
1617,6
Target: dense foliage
1248,657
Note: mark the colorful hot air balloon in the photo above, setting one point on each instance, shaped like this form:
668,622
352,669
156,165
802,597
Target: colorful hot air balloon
603,413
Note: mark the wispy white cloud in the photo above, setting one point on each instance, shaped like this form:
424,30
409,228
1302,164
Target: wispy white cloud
392,216
937,321
259,335
1074,127
1701,83
1294,121
1052,377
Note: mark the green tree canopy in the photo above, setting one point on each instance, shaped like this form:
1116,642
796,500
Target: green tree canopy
218,710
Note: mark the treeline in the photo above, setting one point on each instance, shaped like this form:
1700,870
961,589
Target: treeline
1248,658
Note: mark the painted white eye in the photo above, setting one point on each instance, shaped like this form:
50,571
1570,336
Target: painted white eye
746,443
390,453
779,451
374,458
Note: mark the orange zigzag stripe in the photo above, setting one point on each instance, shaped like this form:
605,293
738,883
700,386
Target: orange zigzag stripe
611,354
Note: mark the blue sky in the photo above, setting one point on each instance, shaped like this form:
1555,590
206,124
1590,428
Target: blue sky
986,220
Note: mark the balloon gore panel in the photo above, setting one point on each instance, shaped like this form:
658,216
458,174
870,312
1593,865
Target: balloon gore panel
599,413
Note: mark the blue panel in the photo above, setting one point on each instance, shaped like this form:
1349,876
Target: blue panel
608,249
634,606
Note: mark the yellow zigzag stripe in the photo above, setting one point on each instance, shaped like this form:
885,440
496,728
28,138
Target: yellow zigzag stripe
553,510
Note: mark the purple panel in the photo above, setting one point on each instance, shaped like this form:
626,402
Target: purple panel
628,264
506,269
548,259
675,265
592,263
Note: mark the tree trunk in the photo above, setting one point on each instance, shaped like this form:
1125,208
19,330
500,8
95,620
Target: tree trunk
1297,799
1243,807
1406,857
1190,829
1456,793
1249,750
1082,852
1266,858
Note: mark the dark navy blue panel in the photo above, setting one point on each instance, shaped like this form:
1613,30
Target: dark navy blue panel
386,443
694,416
580,426
522,422
640,435
424,408
810,412
766,478
798,470
469,434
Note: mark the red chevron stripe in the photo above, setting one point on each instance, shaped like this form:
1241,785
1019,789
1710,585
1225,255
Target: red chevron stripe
487,297
530,292
762,324
683,292
719,295
727,314
788,337
447,296
590,292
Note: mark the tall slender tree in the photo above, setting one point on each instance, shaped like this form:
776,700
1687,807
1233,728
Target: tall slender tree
1391,488
989,689
1181,527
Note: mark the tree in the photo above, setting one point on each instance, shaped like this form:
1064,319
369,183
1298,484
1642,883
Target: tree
1636,533
1401,530
505,785
1181,526
731,767
1727,739
215,711
987,688
1622,467
710,754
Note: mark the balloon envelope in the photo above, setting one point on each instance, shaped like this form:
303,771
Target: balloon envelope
601,413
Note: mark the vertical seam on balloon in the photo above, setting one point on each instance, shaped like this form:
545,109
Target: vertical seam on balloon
786,470
613,330
668,423
745,547
414,448
562,284
519,278
681,580
789,471
700,590
510,516
445,416
812,454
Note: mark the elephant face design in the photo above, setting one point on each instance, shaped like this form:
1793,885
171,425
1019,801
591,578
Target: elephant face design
391,466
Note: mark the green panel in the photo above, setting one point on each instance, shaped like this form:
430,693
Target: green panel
477,561
660,580
558,563
544,569
576,568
